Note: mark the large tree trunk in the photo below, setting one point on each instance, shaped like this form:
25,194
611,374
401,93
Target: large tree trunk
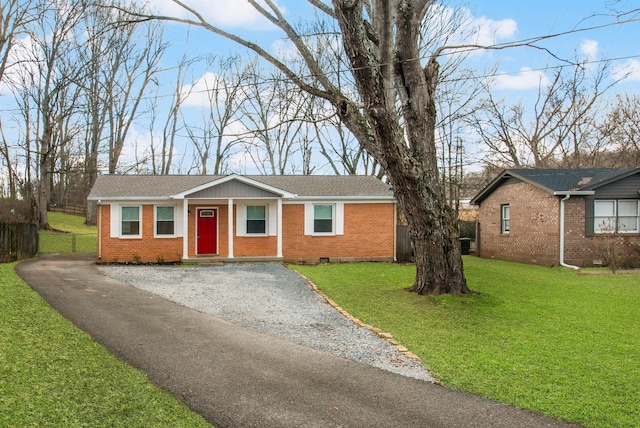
396,125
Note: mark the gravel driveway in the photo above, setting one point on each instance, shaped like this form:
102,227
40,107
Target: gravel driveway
272,299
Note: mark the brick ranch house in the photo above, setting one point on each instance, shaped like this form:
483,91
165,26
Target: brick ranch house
567,217
300,219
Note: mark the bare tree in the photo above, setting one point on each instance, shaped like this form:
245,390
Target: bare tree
556,132
47,76
144,51
272,113
16,15
224,95
619,133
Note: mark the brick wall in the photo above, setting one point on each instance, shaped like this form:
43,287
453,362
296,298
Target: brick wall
534,225
369,234
144,250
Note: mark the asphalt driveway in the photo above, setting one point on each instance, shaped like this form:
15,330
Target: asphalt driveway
239,377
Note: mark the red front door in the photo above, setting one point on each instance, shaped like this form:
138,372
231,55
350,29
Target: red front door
207,239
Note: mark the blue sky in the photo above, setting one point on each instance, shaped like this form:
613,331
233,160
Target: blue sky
519,70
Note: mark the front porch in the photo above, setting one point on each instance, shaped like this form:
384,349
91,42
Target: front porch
218,261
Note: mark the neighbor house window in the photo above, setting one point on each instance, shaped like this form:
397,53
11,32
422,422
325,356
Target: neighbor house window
130,221
323,219
504,219
616,216
165,220
256,219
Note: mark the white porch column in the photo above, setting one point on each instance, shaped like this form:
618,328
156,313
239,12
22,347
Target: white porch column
230,226
279,231
185,229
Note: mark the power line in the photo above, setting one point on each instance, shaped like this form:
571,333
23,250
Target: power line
528,42
267,81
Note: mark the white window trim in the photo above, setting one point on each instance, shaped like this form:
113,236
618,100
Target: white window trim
140,229
155,222
504,230
271,218
338,218
597,230
637,216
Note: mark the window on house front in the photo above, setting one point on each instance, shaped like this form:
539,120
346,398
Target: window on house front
323,219
616,216
165,220
130,221
256,219
504,219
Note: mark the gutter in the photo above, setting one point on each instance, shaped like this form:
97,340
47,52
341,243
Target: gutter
567,195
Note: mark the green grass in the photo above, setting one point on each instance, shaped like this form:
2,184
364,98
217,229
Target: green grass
73,228
543,339
53,375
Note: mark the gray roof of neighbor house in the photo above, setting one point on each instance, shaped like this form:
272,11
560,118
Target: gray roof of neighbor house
559,181
162,186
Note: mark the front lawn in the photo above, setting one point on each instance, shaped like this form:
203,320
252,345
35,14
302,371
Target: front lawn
54,375
548,340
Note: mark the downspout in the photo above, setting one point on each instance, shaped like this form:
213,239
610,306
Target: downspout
562,263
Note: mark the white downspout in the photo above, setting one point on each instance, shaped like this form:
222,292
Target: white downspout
562,263
185,229
230,227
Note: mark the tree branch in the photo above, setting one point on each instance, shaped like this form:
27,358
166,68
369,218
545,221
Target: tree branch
201,22
323,7
531,42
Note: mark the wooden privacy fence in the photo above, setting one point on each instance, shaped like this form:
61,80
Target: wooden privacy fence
404,250
18,241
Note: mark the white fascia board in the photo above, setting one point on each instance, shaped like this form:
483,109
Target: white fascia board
239,178
349,199
131,199
574,193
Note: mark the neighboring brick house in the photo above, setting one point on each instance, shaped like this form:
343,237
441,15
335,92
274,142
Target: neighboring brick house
302,219
569,217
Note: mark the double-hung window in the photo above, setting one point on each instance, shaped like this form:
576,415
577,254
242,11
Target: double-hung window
130,221
505,216
165,220
616,216
323,219
256,219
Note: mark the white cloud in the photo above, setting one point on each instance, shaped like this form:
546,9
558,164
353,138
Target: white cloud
525,79
197,94
590,49
629,70
489,32
225,13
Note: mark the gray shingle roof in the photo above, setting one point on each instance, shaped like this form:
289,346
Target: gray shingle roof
559,180
159,186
